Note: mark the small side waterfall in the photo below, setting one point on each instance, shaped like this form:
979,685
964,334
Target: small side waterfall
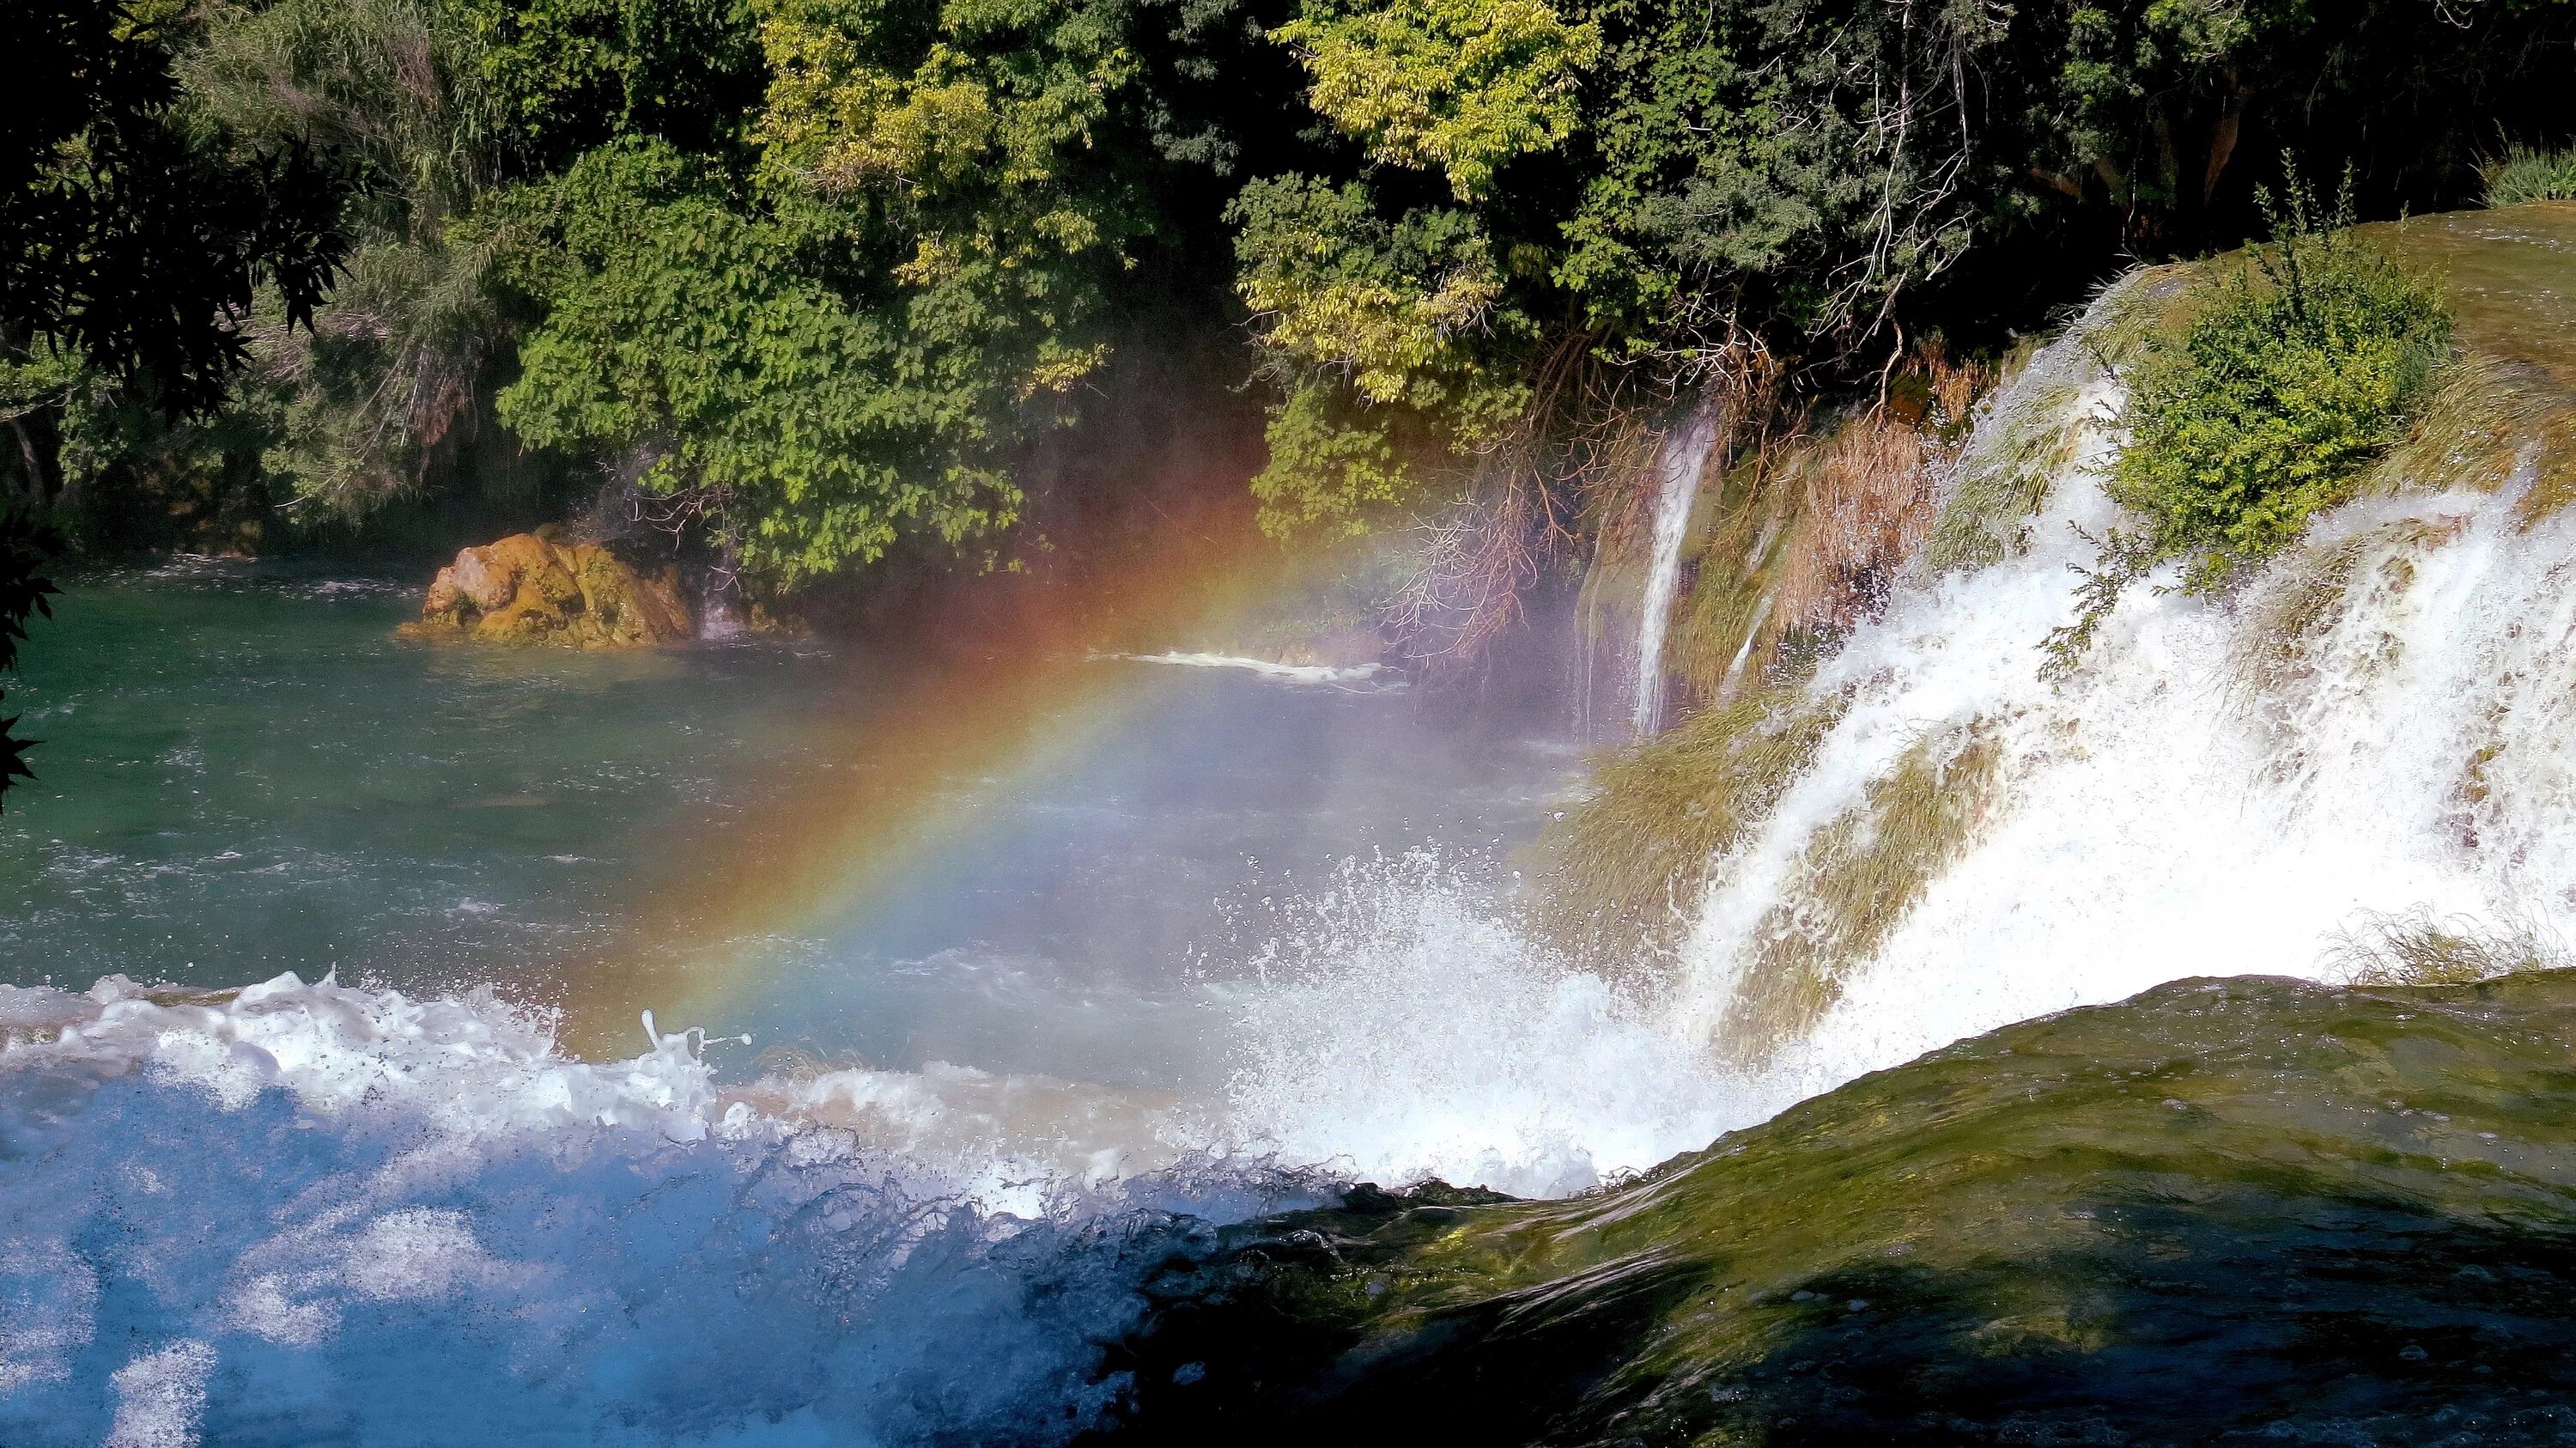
1677,468
718,619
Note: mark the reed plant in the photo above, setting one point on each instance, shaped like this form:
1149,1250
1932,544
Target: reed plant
2522,175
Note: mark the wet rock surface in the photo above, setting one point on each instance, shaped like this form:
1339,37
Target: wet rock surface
538,588
2251,1211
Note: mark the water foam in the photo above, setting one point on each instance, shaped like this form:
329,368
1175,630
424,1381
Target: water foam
313,1213
1405,1027
1267,668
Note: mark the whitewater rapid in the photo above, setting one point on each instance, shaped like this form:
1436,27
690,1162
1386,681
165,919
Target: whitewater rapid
312,1213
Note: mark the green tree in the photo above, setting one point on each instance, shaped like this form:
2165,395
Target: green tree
133,241
1384,335
564,76
1457,86
391,97
848,342
695,338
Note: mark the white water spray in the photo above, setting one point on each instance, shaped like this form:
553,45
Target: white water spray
1678,464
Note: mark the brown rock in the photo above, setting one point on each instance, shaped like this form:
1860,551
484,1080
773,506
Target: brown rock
529,588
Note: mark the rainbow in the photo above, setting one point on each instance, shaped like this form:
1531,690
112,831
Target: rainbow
875,808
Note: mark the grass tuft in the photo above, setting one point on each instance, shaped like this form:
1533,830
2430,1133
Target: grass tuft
2523,175
2417,947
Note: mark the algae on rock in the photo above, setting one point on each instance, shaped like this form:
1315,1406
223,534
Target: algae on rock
2164,1221
531,588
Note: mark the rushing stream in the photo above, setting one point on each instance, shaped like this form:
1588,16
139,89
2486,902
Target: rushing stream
1063,976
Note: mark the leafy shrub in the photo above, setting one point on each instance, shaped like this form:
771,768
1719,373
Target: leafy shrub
25,544
2523,174
2294,372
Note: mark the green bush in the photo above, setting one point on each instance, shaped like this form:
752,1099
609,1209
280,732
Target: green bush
2523,174
2300,371
2294,372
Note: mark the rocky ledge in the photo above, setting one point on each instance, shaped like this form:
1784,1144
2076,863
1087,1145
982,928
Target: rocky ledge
537,588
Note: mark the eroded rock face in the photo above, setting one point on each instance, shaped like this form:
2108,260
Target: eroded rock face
532,589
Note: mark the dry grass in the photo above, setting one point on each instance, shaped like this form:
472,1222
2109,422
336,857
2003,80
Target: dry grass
1869,492
1809,532
1856,881
2417,947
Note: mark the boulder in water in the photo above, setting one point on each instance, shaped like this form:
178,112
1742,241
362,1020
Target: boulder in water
534,588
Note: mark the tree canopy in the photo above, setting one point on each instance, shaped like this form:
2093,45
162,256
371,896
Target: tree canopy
812,278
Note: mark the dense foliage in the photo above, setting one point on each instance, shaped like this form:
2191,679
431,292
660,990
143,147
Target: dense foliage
130,239
2295,369
1768,180
810,279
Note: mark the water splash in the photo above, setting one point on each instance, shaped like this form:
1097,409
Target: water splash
309,1212
1406,1026
1678,464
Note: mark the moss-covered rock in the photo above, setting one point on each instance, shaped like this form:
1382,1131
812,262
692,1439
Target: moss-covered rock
530,588
2243,1211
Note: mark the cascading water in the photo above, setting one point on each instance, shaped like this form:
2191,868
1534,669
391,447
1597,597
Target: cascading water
2380,723
1678,464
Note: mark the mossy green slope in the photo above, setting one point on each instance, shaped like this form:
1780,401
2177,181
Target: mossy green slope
2254,1210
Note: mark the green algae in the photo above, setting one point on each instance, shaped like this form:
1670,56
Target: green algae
2507,412
1629,862
2253,1210
1856,881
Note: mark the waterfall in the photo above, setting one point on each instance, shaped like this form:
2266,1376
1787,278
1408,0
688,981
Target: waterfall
2378,724
719,620
1678,464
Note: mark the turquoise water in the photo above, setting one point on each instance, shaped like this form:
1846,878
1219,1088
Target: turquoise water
245,773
